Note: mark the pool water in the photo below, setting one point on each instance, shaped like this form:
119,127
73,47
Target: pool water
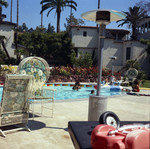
1,92
66,92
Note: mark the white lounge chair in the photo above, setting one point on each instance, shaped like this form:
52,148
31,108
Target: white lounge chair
14,109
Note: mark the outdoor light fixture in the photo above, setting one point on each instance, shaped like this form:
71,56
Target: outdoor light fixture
112,59
102,17
97,103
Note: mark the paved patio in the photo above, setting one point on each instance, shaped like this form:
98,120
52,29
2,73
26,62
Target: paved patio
51,133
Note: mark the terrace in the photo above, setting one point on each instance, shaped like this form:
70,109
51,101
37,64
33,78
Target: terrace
52,132
47,132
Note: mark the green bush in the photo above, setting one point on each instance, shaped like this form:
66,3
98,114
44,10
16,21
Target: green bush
84,60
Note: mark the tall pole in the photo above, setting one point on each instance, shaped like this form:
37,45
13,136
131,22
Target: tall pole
11,11
71,15
101,37
16,37
98,4
17,14
98,8
42,18
112,67
0,12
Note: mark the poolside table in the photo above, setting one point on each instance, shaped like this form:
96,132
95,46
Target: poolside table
80,132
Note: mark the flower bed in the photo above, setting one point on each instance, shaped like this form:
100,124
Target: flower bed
69,74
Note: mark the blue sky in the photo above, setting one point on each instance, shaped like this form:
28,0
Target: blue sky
29,11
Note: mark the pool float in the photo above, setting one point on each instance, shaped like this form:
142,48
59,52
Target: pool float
111,87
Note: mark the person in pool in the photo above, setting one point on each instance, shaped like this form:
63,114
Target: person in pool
92,92
77,86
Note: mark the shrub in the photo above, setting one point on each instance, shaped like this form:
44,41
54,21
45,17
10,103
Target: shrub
87,73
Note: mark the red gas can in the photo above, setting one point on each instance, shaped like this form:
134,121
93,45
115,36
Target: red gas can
130,137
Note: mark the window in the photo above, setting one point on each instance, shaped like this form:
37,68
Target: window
128,53
84,34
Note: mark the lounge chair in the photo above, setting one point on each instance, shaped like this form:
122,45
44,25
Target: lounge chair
14,109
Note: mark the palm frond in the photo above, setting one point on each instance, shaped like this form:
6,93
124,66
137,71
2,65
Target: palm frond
71,6
47,1
46,6
4,3
50,11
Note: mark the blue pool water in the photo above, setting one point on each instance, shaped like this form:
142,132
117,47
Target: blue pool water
66,92
1,91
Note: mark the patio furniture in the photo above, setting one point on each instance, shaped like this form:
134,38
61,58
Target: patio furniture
39,68
47,96
14,109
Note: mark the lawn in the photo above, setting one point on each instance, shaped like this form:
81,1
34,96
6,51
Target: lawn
146,84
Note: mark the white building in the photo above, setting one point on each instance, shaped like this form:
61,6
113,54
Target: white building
7,31
144,28
85,39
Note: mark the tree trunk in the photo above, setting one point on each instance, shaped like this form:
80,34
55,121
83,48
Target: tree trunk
11,11
98,4
42,17
16,34
0,13
58,21
17,14
3,45
134,37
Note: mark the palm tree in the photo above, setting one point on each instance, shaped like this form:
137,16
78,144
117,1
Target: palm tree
17,14
3,45
59,5
133,16
5,4
11,10
16,34
42,18
2,3
98,4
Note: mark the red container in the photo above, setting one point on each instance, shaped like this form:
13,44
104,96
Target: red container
107,137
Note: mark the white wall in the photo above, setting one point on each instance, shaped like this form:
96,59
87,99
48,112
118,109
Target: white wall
90,41
145,35
112,48
8,32
137,52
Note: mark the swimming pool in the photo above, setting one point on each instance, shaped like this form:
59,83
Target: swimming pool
1,91
64,91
